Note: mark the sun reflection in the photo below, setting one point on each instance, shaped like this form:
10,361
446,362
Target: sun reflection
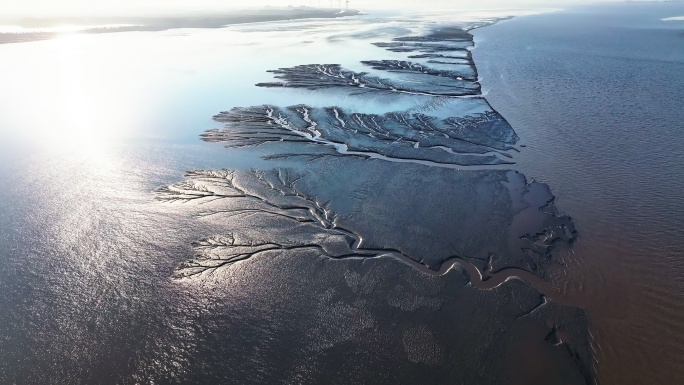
76,126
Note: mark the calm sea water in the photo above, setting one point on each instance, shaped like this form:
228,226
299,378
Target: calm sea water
597,94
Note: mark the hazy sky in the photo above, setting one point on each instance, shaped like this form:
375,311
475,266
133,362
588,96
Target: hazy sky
36,7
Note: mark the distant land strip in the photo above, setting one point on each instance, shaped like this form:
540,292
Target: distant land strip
48,28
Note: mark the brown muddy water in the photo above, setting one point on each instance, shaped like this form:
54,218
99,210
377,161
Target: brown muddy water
596,94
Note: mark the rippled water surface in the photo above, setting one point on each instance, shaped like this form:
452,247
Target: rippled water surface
596,94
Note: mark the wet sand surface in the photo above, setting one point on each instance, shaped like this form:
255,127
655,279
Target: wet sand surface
353,220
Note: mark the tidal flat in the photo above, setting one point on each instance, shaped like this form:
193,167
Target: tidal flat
357,193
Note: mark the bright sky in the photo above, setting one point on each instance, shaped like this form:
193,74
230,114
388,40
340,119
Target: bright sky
120,7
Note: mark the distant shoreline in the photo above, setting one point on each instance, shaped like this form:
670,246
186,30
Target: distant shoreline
48,28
